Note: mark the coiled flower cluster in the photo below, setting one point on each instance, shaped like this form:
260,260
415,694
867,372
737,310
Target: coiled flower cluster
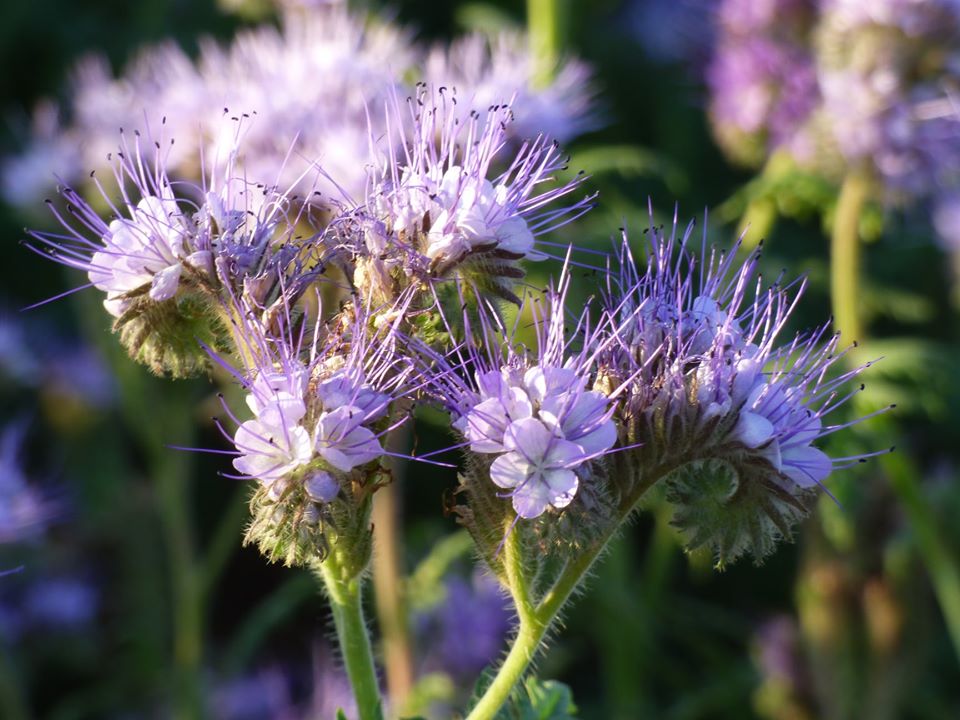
724,409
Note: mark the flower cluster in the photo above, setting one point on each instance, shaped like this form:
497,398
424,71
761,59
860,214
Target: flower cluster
715,399
534,414
314,399
438,199
494,70
319,390
885,69
174,249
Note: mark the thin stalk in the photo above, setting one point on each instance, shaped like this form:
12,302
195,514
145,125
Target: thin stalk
388,573
346,603
845,272
187,586
544,21
525,644
944,568
537,617
845,256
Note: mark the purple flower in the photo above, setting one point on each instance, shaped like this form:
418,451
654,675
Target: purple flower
268,73
467,630
316,398
145,250
60,603
699,356
718,357
762,79
256,696
535,412
946,220
440,200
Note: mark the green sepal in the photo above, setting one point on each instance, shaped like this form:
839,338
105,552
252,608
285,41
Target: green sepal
287,530
168,336
546,541
733,510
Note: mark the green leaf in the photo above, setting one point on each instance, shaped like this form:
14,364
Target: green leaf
539,700
341,715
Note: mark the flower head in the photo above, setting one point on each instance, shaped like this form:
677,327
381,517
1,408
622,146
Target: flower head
171,250
762,78
150,245
441,202
885,69
319,391
268,72
533,415
710,387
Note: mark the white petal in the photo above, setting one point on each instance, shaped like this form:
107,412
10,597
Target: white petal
753,430
563,485
486,423
510,470
530,437
531,499
514,236
165,283
806,466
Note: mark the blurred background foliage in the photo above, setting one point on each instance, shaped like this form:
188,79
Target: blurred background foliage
134,592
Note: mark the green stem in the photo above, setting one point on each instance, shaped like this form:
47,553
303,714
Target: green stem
187,586
537,617
943,567
525,644
345,600
544,23
845,255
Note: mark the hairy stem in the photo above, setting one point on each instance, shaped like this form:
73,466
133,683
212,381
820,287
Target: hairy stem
537,617
525,644
346,602
845,256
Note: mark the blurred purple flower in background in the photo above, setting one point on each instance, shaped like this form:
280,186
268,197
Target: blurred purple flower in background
285,692
292,123
25,510
885,70
60,602
672,30
261,695
501,69
18,363
467,630
762,79
47,604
